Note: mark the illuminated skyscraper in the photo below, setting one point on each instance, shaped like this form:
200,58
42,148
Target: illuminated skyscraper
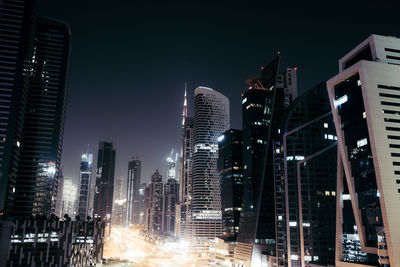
155,192
133,197
183,208
104,191
211,120
36,186
85,181
365,103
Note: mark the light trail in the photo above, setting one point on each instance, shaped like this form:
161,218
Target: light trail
126,245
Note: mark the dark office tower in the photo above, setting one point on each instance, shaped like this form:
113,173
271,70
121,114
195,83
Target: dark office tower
16,37
309,160
104,191
155,192
132,195
263,105
183,208
211,110
84,185
39,168
230,165
365,101
169,200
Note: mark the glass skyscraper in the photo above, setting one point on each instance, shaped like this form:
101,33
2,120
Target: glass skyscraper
211,119
85,181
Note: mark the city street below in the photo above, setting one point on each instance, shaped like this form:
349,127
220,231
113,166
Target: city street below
127,247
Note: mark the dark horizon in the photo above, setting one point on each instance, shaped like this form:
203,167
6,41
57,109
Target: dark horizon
143,53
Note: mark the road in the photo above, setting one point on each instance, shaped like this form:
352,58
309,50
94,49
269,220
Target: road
134,250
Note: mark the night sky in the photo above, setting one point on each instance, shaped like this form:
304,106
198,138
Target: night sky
130,60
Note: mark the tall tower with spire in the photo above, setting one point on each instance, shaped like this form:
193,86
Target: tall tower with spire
182,210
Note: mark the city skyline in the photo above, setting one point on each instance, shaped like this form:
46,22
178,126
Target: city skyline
188,49
292,163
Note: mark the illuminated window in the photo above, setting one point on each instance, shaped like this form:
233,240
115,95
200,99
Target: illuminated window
362,142
325,125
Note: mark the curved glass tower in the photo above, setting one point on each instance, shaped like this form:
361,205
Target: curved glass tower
211,119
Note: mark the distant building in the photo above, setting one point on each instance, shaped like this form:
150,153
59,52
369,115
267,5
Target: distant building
169,199
230,167
182,210
104,191
172,166
85,181
155,191
119,209
133,197
365,101
142,204
211,119
69,199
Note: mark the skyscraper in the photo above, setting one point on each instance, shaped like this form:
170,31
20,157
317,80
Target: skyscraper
104,191
133,197
211,119
307,156
263,106
85,181
365,103
16,53
41,144
230,165
185,182
169,199
155,192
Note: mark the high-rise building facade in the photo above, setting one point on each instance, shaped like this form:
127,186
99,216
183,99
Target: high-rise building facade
210,120
365,103
18,31
133,196
263,106
104,191
230,165
169,199
41,144
307,152
142,204
155,192
85,180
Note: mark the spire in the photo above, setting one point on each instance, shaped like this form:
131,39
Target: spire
184,113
